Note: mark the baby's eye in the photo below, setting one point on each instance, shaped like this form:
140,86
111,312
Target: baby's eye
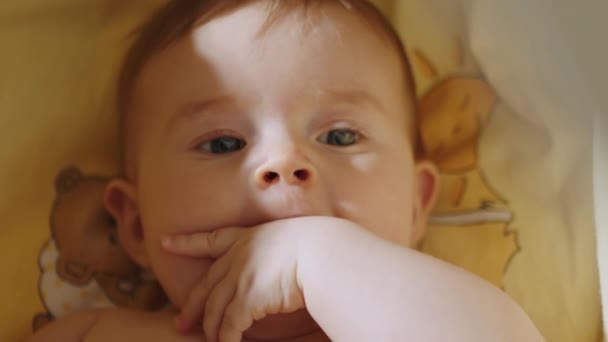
340,137
223,145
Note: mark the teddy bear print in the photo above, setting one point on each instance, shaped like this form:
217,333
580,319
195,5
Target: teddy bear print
470,225
452,117
82,265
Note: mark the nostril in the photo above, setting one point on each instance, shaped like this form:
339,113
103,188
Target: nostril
271,176
301,174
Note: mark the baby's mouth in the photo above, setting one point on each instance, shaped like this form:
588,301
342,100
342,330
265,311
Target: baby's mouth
268,219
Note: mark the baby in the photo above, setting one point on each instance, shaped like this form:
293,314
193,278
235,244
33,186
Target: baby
273,185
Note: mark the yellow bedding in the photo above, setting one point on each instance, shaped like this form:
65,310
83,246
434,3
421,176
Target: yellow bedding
515,206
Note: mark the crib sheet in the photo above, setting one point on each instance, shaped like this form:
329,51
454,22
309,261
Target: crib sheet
515,204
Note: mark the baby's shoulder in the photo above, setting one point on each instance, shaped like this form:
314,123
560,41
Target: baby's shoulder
114,324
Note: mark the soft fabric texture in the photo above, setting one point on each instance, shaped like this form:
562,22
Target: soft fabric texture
499,87
534,152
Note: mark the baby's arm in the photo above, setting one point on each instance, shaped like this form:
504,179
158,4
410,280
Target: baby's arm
113,325
361,288
357,286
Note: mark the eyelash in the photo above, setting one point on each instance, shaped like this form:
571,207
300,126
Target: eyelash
206,140
355,134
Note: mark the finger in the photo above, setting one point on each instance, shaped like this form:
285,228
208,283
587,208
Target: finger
209,244
216,305
237,319
194,306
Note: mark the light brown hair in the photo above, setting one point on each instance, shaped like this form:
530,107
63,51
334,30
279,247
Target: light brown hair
178,18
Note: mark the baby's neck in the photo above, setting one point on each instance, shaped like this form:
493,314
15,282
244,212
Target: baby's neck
298,326
318,336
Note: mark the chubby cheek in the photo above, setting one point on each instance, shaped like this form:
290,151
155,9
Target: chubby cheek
378,194
191,200
176,201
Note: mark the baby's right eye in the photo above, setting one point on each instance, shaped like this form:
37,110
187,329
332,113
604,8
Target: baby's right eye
222,145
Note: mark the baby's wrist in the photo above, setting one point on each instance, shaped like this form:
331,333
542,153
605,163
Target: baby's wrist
320,241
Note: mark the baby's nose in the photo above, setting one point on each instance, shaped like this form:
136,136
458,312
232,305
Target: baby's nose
290,169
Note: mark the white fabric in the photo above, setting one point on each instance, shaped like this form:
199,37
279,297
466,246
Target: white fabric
585,26
538,150
600,181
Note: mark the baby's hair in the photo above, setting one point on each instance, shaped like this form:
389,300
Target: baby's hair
178,18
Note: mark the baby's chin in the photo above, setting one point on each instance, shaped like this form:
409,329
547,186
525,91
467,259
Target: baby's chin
283,327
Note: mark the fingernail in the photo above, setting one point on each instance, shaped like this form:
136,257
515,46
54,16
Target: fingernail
166,241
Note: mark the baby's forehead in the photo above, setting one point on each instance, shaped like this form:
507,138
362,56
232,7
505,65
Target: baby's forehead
258,25
330,48
179,18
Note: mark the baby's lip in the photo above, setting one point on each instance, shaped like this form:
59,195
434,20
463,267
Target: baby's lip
248,222
269,212
272,218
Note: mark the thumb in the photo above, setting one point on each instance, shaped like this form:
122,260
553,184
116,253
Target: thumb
204,244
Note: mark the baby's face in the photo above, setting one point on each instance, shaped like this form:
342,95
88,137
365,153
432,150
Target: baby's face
239,128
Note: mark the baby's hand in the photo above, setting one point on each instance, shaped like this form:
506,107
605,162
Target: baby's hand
254,275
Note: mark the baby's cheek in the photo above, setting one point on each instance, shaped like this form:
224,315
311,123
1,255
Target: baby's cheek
385,199
377,201
179,275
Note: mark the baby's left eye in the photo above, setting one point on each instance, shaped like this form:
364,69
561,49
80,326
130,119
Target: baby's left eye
223,145
339,137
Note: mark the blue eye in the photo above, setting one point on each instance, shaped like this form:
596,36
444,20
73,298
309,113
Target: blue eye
223,145
340,137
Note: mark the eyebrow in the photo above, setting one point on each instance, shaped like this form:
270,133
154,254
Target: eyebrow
191,109
196,108
352,96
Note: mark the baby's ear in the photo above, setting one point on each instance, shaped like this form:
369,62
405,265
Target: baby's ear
427,188
121,201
